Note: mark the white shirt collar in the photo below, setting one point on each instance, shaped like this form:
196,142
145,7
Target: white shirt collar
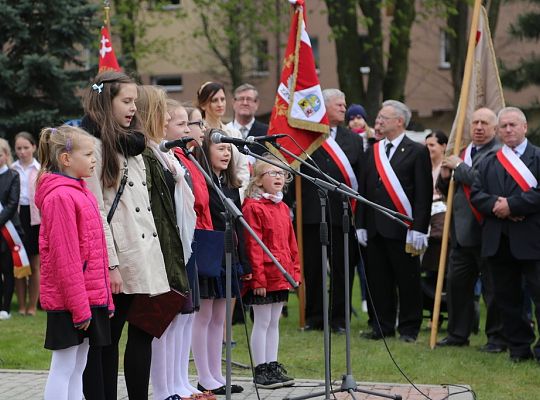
520,148
333,132
34,164
396,142
3,169
237,125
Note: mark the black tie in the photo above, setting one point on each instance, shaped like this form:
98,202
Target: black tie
388,148
474,150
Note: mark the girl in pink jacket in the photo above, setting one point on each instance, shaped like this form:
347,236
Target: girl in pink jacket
74,280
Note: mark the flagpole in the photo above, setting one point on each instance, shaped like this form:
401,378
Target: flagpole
107,9
462,108
300,241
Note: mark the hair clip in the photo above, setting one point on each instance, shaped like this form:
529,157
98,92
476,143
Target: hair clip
69,145
53,131
97,87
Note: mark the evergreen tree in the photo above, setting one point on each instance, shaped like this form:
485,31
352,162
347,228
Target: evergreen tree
527,72
42,64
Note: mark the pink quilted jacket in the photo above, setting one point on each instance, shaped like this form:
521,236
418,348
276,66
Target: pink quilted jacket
74,264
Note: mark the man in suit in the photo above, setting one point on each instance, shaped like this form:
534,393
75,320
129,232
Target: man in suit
466,265
245,106
507,194
341,158
397,175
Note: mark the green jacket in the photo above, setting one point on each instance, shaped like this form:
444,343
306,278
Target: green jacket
165,220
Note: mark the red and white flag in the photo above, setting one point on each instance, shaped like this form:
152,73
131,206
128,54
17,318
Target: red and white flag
299,109
21,263
485,87
107,58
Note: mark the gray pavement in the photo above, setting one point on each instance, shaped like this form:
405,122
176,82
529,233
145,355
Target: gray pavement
26,384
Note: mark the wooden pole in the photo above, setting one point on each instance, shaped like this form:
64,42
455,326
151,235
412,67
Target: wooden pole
107,10
463,99
300,240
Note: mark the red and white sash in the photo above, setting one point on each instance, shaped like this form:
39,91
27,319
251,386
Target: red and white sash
21,264
467,159
516,168
343,163
391,182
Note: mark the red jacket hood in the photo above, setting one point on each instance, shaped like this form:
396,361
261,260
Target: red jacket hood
51,181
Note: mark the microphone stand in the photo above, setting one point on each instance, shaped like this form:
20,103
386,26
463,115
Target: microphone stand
348,382
232,213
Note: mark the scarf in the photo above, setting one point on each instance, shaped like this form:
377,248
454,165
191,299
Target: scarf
276,198
183,198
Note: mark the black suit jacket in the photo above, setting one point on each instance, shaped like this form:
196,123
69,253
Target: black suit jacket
352,146
412,166
466,230
258,129
493,181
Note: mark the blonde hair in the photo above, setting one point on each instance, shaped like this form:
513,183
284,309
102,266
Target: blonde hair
55,141
259,168
152,106
4,146
173,105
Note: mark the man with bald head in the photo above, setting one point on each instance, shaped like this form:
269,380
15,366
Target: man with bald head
465,264
507,193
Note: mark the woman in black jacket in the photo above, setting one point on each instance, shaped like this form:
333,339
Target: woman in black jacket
9,200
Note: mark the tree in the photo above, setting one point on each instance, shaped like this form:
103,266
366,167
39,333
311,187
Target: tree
234,31
40,65
387,74
527,72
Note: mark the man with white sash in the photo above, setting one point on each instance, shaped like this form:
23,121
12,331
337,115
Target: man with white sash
465,262
341,157
506,192
398,176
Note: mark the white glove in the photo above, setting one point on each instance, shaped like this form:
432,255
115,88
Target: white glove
419,240
361,235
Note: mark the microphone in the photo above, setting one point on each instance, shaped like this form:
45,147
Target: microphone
219,138
165,146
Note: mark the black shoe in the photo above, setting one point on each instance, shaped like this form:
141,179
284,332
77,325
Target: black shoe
449,341
220,390
407,338
521,357
280,373
372,335
493,348
339,330
264,377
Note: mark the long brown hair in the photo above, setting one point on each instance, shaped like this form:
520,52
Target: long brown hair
229,175
97,103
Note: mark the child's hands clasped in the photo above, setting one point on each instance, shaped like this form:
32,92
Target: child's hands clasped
260,292
84,326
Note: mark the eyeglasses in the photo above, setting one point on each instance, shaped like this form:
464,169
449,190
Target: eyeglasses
248,99
275,174
199,123
386,117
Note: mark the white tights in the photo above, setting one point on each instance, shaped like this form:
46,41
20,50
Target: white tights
162,367
265,333
207,342
65,375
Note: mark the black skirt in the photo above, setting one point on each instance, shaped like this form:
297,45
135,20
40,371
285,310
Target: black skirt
214,288
277,296
31,232
61,333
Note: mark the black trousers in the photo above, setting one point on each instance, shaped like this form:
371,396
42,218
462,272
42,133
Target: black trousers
313,274
100,378
465,267
508,276
394,280
7,281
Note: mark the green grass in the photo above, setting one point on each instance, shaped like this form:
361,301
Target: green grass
491,376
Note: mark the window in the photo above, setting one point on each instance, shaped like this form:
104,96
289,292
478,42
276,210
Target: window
171,83
261,57
444,50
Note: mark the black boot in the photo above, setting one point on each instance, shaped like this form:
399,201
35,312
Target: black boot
280,373
265,378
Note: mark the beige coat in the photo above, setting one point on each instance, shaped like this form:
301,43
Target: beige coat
132,241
